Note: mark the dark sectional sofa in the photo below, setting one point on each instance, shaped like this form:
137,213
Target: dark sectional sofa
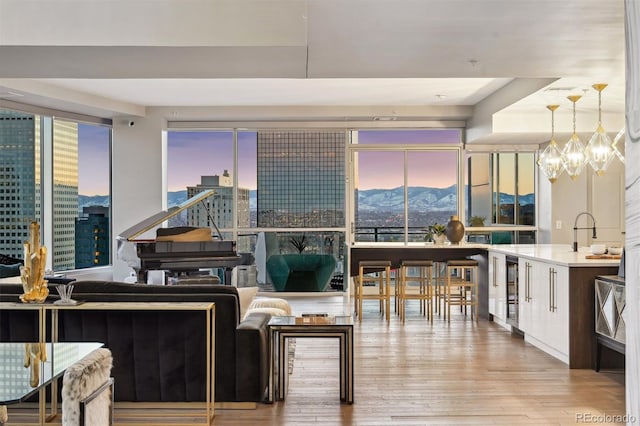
159,356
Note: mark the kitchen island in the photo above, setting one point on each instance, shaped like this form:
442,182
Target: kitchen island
554,287
555,297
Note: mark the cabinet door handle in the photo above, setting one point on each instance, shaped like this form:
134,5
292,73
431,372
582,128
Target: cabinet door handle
550,291
555,289
495,271
527,282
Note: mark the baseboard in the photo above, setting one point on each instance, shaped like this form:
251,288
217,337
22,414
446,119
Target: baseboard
235,405
248,405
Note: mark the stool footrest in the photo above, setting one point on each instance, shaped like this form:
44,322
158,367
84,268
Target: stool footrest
462,263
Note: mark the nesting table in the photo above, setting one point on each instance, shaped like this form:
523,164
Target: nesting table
285,327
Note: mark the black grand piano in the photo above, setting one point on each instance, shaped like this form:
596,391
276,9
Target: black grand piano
181,251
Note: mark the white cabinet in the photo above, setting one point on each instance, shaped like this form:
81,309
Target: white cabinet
498,286
556,323
544,306
525,299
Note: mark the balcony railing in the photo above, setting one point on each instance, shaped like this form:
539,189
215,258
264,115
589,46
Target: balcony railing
487,235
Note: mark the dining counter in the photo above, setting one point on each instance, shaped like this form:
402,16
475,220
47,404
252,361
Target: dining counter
397,252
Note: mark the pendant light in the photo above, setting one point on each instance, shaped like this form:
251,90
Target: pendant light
550,160
599,152
614,145
573,156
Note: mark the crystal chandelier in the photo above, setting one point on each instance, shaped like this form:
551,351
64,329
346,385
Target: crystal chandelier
599,151
550,160
573,153
614,145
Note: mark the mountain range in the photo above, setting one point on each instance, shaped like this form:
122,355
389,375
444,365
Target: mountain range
392,200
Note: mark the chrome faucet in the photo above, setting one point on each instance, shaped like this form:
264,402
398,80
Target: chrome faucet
575,229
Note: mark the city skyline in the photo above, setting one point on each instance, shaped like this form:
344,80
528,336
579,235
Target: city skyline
190,155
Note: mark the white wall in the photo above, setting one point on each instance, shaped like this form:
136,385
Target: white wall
602,196
139,181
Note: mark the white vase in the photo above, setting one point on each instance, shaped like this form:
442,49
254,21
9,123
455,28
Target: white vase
440,239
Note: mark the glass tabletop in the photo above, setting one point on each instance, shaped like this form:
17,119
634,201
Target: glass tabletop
18,380
311,320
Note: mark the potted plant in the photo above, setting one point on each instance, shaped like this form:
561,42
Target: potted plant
300,243
435,233
476,221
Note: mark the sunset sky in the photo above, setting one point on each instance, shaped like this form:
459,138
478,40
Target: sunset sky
93,160
194,154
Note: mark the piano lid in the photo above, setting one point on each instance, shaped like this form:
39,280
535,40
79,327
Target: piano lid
157,219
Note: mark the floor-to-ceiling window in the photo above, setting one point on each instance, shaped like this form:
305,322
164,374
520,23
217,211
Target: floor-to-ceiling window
281,192
500,197
284,187
56,171
403,182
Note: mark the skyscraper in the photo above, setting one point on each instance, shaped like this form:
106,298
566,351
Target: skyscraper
65,193
92,237
218,207
17,180
20,184
301,179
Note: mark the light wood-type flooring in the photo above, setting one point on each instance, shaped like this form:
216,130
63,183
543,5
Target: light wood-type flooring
423,373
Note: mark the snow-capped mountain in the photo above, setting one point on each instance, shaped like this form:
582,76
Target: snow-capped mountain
420,199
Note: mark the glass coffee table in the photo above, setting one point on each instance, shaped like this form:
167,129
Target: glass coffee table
283,328
18,382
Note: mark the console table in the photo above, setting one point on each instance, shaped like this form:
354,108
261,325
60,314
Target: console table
50,311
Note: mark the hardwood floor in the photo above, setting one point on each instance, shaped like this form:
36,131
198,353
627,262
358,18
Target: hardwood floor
423,373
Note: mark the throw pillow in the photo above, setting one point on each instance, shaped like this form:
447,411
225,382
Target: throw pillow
246,296
10,270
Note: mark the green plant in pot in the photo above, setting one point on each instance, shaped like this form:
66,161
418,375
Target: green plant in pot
476,221
436,232
300,243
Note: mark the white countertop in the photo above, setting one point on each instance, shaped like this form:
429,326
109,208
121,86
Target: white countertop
559,254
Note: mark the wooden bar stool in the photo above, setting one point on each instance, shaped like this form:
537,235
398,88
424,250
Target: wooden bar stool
374,273
423,292
457,289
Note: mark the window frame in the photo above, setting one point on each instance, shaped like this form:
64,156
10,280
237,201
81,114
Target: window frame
43,140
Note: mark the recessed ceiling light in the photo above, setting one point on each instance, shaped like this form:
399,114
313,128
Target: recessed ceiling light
440,96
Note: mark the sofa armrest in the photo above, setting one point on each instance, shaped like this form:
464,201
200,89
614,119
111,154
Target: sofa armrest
252,357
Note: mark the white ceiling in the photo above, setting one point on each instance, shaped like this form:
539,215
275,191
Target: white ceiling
362,58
